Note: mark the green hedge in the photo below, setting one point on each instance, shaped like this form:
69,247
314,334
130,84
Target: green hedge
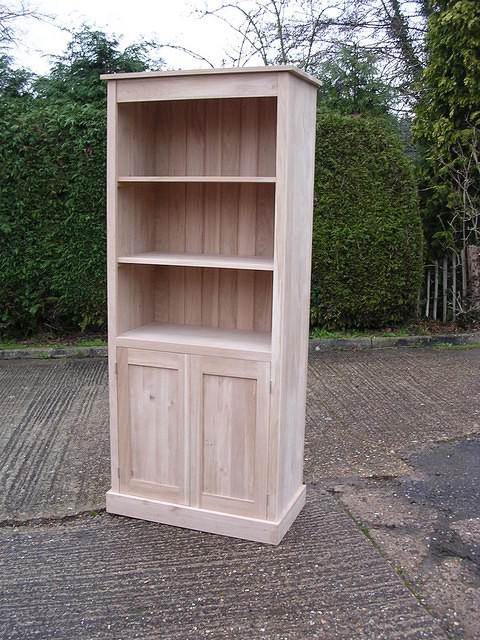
52,215
367,238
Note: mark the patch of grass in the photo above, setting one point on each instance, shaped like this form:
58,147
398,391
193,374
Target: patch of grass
424,328
398,570
318,333
93,342
401,574
13,345
455,347
366,532
42,344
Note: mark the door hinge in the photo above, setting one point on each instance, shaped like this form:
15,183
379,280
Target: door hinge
270,386
116,368
268,500
118,472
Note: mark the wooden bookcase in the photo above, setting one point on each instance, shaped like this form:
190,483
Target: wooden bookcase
210,193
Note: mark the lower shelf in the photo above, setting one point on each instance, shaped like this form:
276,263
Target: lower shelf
198,340
208,521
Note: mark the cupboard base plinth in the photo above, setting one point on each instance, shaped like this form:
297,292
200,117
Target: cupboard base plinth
266,531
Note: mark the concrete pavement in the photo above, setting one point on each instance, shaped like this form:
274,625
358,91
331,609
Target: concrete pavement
101,576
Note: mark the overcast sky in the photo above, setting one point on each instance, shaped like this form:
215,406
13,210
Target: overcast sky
166,21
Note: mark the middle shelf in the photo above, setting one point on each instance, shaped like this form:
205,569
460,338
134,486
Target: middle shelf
257,263
197,179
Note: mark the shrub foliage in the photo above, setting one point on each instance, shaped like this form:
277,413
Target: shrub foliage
52,188
367,238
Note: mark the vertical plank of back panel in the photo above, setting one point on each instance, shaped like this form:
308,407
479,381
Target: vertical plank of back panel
267,119
160,215
265,220
136,302
231,130
147,124
211,218
177,138
228,247
193,244
213,135
231,122
136,220
247,211
263,301
122,135
211,239
227,299
176,295
160,139
210,298
248,138
195,165
176,244
161,294
246,247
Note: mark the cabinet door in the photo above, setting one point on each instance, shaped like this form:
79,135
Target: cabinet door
229,402
151,424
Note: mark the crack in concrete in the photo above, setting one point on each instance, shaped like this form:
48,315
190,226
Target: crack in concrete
50,521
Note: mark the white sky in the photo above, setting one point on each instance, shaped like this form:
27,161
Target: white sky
166,21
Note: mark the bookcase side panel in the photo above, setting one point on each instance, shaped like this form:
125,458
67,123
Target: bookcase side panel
295,170
112,272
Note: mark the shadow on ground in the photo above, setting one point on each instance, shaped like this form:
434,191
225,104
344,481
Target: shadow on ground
428,526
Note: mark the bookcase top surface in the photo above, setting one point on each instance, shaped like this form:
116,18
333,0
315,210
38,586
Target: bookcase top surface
212,72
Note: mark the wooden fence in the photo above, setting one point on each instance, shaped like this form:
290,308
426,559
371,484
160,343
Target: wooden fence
451,286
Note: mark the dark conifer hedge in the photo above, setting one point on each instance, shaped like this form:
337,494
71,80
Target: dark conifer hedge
367,239
367,245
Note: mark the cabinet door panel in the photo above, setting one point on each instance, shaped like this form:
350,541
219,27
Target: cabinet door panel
229,422
151,424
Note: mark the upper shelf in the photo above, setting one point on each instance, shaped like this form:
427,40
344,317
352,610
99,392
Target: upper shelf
253,263
255,179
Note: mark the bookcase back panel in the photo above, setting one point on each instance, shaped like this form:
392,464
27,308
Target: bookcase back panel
216,298
215,219
219,137
135,304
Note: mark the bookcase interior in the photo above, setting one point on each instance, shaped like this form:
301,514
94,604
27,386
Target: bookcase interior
210,137
234,299
211,219
209,183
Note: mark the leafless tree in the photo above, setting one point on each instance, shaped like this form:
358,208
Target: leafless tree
309,32
464,171
10,14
